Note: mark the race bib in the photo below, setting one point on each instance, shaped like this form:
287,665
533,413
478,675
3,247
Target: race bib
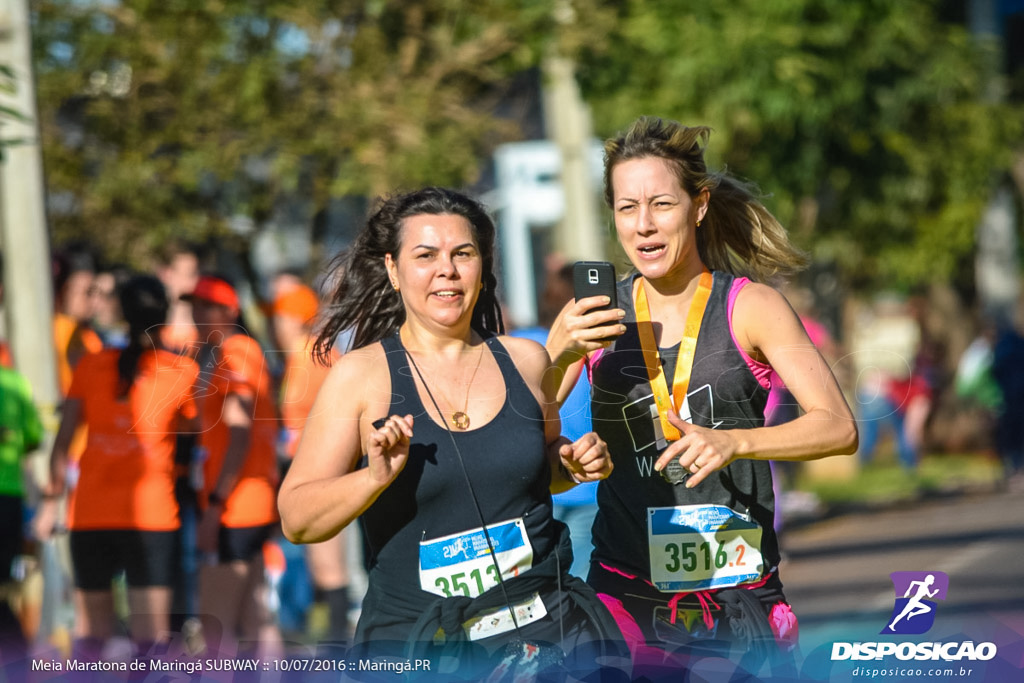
461,564
698,547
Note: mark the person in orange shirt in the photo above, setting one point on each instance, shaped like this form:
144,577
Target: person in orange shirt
73,278
122,513
73,336
239,434
293,314
176,264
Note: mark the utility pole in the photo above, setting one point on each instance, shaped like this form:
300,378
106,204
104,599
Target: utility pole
579,236
28,296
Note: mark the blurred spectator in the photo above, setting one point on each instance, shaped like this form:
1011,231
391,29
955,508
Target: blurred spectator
902,400
1008,371
107,319
177,267
975,382
901,403
135,401
576,507
74,271
20,432
294,312
239,478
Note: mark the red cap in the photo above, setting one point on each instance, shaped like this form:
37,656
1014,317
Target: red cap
214,290
300,302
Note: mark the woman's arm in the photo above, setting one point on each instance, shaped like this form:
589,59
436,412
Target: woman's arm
323,491
46,518
575,334
766,327
766,324
237,415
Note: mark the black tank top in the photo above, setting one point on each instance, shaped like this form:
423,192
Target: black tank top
506,463
723,394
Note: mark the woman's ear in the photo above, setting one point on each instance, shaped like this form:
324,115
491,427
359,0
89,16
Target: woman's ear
703,200
389,265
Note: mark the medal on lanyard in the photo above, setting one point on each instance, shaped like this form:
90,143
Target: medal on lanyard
665,402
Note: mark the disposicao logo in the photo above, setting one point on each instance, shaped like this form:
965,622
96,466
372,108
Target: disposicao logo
916,593
914,613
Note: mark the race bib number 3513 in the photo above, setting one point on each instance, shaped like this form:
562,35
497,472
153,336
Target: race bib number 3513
697,547
461,564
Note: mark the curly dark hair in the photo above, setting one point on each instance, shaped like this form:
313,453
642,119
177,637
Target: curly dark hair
363,300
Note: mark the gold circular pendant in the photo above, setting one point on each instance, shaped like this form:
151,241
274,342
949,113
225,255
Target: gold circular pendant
460,420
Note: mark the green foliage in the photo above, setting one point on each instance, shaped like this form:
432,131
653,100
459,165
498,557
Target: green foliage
168,118
872,126
8,87
884,481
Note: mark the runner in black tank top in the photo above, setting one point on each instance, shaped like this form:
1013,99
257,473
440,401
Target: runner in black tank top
429,500
468,566
685,549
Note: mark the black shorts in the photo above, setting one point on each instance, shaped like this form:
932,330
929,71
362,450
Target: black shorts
243,543
12,539
148,558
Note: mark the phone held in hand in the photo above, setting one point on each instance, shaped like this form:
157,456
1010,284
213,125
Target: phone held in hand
594,278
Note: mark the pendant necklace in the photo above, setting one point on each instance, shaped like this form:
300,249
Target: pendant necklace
459,418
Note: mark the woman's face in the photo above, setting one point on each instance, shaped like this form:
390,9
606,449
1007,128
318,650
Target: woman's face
654,217
438,268
76,300
212,317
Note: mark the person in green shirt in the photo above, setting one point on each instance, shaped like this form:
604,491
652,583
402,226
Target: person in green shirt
20,432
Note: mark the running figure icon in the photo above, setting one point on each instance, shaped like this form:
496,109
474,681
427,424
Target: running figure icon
915,606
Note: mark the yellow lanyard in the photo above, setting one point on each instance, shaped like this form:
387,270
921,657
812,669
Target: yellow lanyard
687,345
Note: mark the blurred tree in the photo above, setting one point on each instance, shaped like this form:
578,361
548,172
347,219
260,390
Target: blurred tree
184,117
877,129
8,87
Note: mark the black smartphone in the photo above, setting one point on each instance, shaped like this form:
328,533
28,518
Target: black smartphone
593,278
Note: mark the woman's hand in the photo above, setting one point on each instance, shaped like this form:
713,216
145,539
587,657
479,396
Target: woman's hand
700,450
587,459
46,521
579,330
387,449
208,531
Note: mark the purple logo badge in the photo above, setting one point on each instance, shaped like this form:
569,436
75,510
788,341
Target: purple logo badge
916,592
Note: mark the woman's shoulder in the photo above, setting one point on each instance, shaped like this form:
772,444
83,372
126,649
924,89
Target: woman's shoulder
359,364
526,354
760,313
522,346
753,295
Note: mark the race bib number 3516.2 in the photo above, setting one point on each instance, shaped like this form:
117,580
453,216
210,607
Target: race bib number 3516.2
697,547
461,564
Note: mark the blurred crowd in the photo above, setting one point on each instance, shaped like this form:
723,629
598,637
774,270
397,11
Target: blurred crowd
181,546
156,522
